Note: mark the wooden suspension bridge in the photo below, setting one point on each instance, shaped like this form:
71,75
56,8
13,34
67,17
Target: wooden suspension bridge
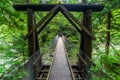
60,69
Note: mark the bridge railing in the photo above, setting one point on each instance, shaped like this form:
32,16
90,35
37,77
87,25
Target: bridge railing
30,67
84,61
54,42
34,63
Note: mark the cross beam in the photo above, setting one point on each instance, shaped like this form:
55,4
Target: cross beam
48,21
71,21
77,22
69,7
42,21
66,13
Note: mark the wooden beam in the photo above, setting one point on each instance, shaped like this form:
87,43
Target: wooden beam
77,22
81,59
68,18
31,39
86,41
36,36
41,22
47,22
70,7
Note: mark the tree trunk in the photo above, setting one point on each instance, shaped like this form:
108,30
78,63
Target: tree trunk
28,1
108,32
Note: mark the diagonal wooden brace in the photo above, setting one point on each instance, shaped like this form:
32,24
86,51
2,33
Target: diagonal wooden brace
77,22
41,21
47,22
72,22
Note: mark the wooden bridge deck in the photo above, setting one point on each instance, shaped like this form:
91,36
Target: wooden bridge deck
60,69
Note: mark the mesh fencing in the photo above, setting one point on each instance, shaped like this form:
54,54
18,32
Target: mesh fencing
29,65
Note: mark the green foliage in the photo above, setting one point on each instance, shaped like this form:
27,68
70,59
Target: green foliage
107,66
17,75
13,47
5,12
111,65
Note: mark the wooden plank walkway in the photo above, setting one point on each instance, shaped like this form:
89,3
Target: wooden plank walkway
60,69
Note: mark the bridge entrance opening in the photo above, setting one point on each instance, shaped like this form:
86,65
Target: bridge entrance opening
38,71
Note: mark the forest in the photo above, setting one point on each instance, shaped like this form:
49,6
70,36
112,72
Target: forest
105,28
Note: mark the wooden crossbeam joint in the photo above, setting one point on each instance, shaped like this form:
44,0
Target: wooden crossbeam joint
81,59
42,21
71,21
77,22
68,16
47,22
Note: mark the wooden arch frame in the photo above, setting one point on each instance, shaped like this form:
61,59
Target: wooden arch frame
53,10
45,20
86,33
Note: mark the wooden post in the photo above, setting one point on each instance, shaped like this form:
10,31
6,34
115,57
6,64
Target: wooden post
31,39
30,25
36,36
86,41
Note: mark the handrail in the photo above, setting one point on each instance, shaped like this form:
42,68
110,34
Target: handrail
85,63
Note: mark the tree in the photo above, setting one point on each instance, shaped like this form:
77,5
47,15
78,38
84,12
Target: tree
108,31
